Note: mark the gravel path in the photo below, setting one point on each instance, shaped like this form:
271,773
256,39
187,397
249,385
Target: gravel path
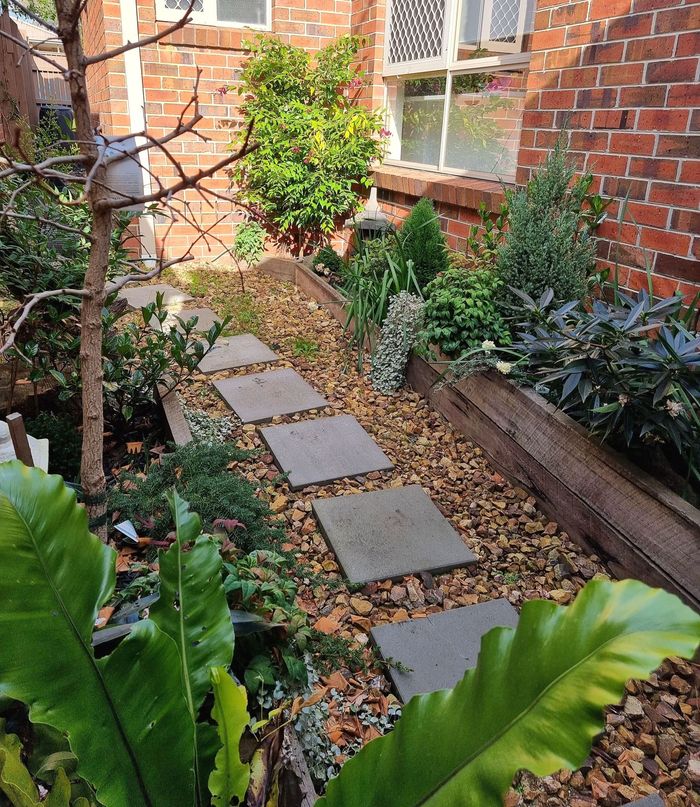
651,743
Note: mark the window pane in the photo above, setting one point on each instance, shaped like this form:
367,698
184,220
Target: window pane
183,5
417,108
416,30
483,131
490,27
245,12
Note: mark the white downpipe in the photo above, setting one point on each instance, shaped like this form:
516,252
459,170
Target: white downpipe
137,115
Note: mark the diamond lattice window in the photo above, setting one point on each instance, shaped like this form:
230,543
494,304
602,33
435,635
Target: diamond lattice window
183,5
417,29
505,16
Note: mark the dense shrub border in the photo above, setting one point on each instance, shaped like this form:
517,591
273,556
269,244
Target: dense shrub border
640,527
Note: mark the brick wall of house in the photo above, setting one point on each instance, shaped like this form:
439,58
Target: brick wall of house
623,75
169,70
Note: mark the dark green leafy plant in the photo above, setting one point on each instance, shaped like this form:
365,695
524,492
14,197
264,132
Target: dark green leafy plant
423,242
139,358
462,311
248,247
486,239
201,473
549,241
314,143
62,431
629,370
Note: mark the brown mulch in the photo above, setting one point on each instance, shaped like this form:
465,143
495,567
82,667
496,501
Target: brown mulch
651,743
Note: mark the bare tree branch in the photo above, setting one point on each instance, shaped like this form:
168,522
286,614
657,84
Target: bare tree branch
32,50
55,224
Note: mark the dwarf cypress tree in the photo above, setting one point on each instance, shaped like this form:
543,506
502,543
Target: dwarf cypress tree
423,242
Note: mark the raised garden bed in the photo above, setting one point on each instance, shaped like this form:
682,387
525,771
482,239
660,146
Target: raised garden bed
608,505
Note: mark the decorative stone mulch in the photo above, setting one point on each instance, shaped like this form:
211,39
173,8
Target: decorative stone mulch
650,743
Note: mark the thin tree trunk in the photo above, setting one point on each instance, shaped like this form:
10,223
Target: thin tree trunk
92,476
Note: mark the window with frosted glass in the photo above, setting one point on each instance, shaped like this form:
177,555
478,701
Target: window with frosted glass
243,12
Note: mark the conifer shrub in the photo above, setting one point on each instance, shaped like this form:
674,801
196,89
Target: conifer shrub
548,242
423,242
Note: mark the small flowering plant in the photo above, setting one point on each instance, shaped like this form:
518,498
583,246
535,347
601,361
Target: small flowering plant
628,370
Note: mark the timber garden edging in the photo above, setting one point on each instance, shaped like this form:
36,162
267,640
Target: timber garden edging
608,505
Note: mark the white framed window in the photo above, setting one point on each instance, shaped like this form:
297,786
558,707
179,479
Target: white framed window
256,14
455,76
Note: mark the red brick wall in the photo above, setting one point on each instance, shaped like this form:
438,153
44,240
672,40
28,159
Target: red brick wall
622,74
169,70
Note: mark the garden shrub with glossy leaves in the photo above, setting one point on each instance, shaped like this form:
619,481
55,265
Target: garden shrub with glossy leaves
314,142
462,311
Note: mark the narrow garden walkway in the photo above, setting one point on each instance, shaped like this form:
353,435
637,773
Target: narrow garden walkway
426,546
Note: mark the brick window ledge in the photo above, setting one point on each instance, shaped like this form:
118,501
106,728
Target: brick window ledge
452,190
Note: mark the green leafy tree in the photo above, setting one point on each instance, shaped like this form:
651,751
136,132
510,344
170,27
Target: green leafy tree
314,143
423,242
248,247
548,243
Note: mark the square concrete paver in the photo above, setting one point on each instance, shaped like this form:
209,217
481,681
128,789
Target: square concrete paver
205,319
649,801
321,450
441,647
261,396
230,352
138,296
389,533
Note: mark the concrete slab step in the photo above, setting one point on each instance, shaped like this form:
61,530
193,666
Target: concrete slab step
258,397
439,648
318,451
138,296
231,352
387,534
205,319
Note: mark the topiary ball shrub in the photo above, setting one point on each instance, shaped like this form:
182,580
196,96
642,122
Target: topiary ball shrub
461,311
423,242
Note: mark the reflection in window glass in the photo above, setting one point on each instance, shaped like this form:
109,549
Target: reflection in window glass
485,111
417,108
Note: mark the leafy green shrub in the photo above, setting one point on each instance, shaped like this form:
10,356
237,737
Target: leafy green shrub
65,442
314,142
327,261
138,358
461,310
548,243
423,242
627,370
248,246
399,334
200,471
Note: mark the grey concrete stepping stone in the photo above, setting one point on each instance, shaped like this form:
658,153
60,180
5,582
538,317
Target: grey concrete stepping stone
138,296
318,451
649,801
261,396
389,533
441,647
230,352
205,319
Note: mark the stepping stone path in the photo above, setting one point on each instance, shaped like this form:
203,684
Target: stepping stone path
441,647
315,452
649,801
231,352
139,296
389,533
262,396
376,536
